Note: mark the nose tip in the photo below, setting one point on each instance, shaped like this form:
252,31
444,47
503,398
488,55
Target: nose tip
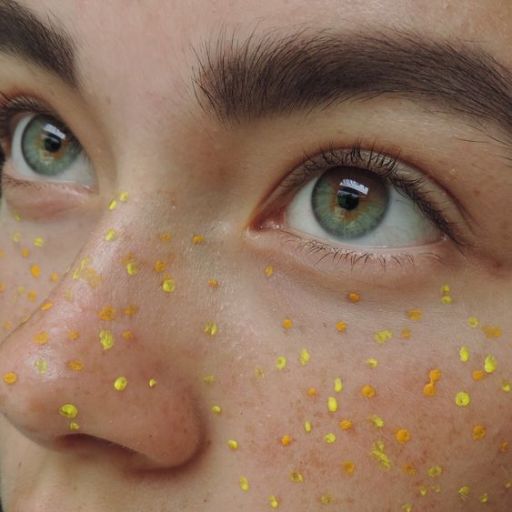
67,382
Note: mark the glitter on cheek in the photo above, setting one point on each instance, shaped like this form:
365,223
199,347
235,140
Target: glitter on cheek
296,477
268,271
273,501
354,297
330,438
349,467
338,385
286,440
152,383
168,285
75,365
341,326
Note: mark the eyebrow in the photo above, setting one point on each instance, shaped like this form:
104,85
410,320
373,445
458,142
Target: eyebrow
242,80
23,35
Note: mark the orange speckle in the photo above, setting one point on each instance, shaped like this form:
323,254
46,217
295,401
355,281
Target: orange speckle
354,297
429,389
46,306
345,424
406,334
434,375
478,375
75,365
491,331
286,440
504,447
415,314
35,270
479,432
368,391
127,335
409,469
73,335
341,326
213,283
160,266
312,391
287,323
41,338
403,435
107,313
349,467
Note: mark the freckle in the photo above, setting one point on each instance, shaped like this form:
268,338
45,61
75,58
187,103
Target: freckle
41,338
332,404
504,447
68,411
123,197
197,239
106,339
383,336
281,362
111,235
73,335
372,362
286,440
287,323
462,399
464,354
368,391
477,375
304,357
268,271
345,424
402,436
152,383
211,328
479,432
41,365
273,501
349,467
330,438
112,205
506,386
312,392
168,285
39,241
107,313
216,409
75,365
415,314
296,477
341,326
35,270
490,364
232,444
213,283
473,322
10,378
354,297
46,306
491,331
308,427
244,483
74,426
377,421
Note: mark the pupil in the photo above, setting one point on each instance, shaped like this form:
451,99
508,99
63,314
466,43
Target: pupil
52,144
348,199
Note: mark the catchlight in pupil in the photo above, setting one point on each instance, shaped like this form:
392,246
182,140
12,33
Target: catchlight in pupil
349,202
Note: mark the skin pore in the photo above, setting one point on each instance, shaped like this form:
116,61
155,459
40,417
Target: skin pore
174,337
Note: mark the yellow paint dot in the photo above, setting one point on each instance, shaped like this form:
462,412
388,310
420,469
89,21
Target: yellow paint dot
54,277
484,498
165,237
383,336
106,339
232,444
152,383
464,354
111,235
123,197
406,334
10,378
107,313
120,383
39,241
330,438
504,447
506,386
490,364
464,491
216,409
407,507
69,411
41,365
41,338
74,426
168,285
423,490
296,477
211,328
47,306
479,432
377,421
446,299
345,424
25,252
132,268
325,499
473,322
75,365
244,483
380,455
213,283
273,501
281,362
434,471
304,357
32,296
415,314
338,385
269,270
197,239
286,440
368,391
112,205
159,266
332,404
209,379
259,373
462,399
354,297
349,467
403,435
287,323
341,326
308,427
372,362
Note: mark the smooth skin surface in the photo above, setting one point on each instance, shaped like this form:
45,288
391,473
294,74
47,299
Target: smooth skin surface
284,377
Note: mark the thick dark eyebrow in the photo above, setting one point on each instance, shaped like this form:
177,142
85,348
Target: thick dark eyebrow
23,35
240,80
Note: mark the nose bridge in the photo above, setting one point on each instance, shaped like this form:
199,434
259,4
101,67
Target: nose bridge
96,360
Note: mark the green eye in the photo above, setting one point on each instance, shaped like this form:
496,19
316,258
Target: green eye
349,202
48,148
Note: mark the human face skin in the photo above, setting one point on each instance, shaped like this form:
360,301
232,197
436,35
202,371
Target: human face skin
180,250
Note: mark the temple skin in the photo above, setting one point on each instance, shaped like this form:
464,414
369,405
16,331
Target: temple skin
240,327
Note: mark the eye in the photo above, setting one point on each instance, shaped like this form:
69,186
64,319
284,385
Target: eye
44,149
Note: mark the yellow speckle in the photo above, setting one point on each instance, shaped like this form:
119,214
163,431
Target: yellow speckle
131,310
16,238
106,339
478,433
423,490
484,498
74,426
269,270
464,491
120,383
287,323
112,205
434,471
244,483
152,383
296,477
32,296
54,277
168,285
407,507
111,235
107,313
415,314
308,427
286,440
159,266
69,411
273,501
332,404
445,288
75,365
216,409
368,391
197,239
354,297
349,467
464,354
281,362
372,362
446,299
132,268
341,326
259,373
490,364
338,385
462,399
47,306
38,241
325,499
123,197
10,378
473,322
41,338
403,435
73,335
209,379
504,447
211,328
506,386
379,453
232,444
383,336
491,331
345,424
41,365
377,421
330,438
213,283
304,357
35,270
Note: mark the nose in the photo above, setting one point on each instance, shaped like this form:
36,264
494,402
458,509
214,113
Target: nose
97,367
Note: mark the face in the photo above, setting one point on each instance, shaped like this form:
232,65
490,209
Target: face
255,265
